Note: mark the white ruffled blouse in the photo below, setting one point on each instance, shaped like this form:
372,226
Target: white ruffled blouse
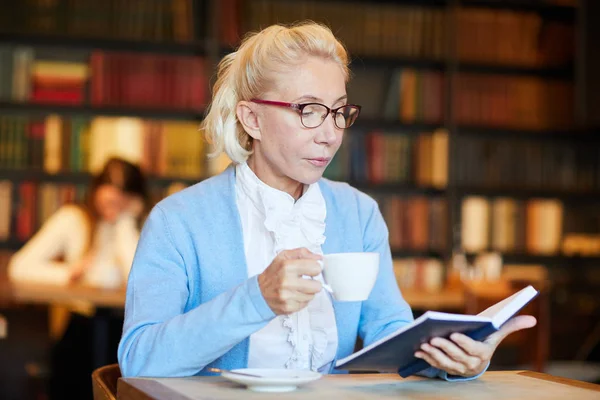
272,222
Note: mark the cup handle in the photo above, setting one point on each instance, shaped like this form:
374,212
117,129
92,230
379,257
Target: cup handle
325,286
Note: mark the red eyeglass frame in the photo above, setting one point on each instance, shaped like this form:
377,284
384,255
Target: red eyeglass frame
299,107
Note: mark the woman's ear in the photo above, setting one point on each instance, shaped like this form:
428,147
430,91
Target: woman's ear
249,119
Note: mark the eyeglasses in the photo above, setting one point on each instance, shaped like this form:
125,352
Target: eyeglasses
312,115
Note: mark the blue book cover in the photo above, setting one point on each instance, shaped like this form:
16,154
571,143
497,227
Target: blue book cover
395,352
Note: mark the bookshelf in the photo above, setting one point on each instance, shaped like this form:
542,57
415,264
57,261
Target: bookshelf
441,50
37,175
141,46
93,111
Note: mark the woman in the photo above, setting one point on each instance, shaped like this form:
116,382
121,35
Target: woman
96,241
92,244
218,278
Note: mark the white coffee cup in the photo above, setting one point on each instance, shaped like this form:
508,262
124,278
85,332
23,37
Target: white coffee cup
351,276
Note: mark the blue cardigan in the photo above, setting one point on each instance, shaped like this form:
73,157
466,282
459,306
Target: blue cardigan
190,304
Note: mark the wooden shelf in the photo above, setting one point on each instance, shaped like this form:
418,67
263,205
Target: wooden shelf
403,253
571,135
529,193
566,72
546,9
365,62
558,260
180,48
18,175
394,126
396,188
91,111
423,3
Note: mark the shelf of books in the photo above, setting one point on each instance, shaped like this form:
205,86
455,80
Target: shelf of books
137,45
464,102
158,22
81,81
536,230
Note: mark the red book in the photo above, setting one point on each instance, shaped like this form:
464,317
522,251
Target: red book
199,84
98,79
57,96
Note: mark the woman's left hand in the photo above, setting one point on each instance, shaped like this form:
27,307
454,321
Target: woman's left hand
463,356
134,206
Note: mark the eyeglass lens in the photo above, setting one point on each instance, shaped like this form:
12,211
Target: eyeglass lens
313,115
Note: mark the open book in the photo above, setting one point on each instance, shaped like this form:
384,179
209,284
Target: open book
395,352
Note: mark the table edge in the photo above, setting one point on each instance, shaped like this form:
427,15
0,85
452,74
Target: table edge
558,379
126,389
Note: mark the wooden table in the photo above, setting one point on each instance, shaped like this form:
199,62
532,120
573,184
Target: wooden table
106,302
492,385
54,294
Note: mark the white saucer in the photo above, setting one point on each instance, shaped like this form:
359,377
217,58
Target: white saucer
272,380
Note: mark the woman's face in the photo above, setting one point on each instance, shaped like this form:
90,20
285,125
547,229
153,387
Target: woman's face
110,201
286,149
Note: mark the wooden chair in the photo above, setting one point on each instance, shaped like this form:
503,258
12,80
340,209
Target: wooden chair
104,382
3,327
533,344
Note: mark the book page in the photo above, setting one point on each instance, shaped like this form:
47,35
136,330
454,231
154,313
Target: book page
502,311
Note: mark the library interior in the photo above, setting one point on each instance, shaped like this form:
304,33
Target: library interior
478,137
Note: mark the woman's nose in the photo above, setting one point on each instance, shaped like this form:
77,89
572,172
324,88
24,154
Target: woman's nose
328,130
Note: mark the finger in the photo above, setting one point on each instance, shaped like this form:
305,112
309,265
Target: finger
299,254
434,363
453,351
428,358
457,354
302,297
303,267
515,324
472,347
442,360
306,286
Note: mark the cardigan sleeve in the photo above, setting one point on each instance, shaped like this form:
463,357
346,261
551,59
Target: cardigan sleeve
385,310
159,337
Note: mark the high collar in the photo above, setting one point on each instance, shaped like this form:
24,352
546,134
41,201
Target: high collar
282,214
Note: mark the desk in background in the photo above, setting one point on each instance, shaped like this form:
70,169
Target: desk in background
106,301
492,385
53,294
444,300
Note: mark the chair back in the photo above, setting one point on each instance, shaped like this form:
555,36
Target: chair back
104,382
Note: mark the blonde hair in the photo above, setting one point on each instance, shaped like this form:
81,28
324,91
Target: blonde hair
247,72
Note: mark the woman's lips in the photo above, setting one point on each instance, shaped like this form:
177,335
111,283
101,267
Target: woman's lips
319,162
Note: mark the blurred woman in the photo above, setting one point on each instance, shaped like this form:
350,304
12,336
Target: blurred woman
92,244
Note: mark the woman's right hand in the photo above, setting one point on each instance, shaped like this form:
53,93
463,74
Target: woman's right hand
282,283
